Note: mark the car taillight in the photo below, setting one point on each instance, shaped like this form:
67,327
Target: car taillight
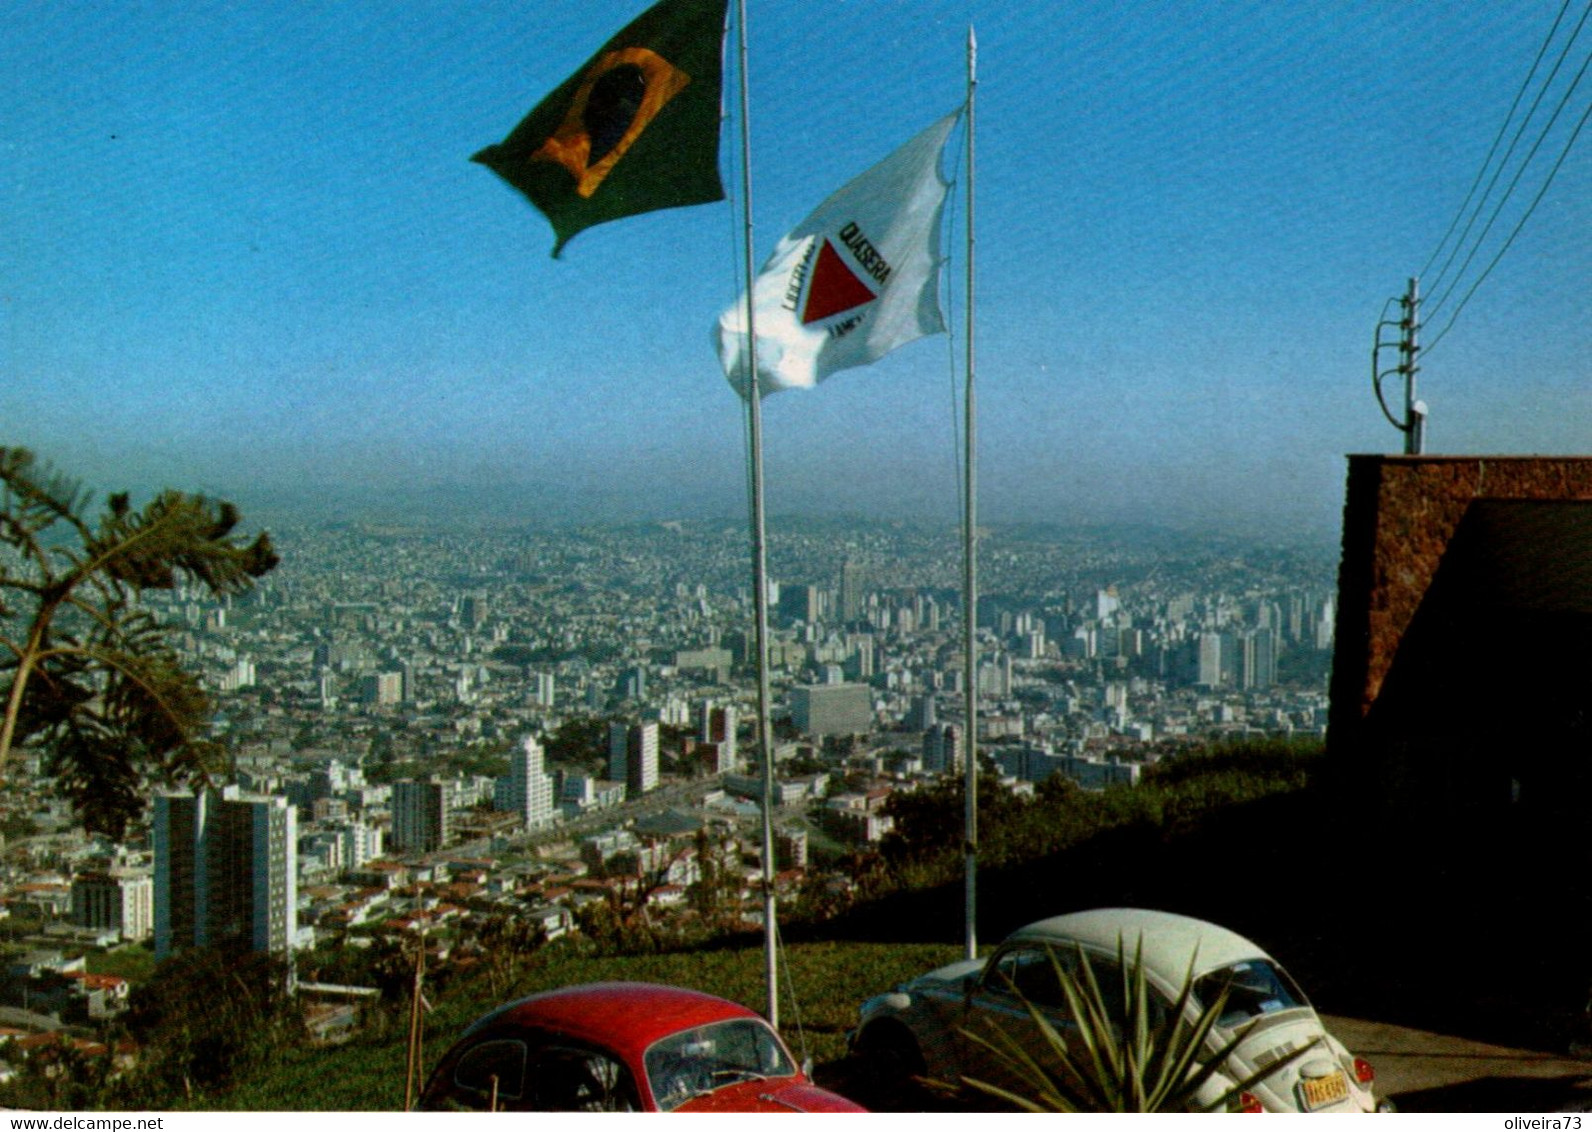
1363,1072
1249,1102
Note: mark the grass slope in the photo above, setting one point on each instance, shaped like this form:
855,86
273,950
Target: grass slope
830,980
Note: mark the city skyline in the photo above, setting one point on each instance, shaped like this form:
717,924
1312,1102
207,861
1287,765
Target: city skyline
246,253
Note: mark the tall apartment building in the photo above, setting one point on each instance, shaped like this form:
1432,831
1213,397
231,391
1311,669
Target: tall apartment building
1209,661
1325,623
618,751
226,871
853,594
718,729
420,815
633,756
1259,652
121,899
860,657
942,748
527,789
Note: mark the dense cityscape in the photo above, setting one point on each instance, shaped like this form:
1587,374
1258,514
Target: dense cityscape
426,727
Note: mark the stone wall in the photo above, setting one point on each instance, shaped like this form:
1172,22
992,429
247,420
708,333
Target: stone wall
1460,731
1400,514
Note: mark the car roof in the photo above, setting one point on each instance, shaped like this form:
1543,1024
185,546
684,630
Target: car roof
1169,940
622,1016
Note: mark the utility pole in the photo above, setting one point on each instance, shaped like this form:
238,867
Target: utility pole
1409,365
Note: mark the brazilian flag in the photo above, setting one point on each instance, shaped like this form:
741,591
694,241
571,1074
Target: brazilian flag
635,129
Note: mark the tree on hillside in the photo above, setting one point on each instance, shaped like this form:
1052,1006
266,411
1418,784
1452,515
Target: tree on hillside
86,673
202,1021
580,740
504,943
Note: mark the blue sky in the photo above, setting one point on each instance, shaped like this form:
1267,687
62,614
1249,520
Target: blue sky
243,250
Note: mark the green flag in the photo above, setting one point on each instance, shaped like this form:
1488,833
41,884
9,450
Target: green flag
635,129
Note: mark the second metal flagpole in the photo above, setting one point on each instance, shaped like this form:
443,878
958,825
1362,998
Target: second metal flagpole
970,552
754,411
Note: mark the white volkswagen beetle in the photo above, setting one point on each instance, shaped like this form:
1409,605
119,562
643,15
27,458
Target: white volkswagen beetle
922,1027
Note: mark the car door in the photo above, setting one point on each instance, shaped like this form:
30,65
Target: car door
1026,973
568,1077
1018,974
487,1077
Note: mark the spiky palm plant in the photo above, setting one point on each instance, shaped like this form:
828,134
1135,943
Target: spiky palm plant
1127,1056
86,674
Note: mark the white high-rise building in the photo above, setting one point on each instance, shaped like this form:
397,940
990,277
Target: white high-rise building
226,871
1324,625
861,650
527,790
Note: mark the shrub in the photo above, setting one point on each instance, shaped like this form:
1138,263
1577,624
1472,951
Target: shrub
1128,1054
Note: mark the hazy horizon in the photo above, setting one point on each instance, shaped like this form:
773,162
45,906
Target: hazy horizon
505,506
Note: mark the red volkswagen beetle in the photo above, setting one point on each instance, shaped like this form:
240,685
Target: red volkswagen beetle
620,1047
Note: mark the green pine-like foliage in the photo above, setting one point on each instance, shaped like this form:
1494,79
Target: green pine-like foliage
87,674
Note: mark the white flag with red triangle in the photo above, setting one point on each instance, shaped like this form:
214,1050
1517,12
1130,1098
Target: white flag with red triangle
853,281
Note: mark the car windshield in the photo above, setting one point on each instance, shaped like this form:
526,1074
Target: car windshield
1255,987
697,1061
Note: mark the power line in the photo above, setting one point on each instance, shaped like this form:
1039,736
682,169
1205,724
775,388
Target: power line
1440,300
1515,182
1502,127
1585,114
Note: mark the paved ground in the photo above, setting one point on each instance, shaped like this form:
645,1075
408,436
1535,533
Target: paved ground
1427,1072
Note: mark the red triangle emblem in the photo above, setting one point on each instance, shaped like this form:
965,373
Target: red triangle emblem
834,287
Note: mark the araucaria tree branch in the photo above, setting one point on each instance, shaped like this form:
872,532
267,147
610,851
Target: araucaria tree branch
85,674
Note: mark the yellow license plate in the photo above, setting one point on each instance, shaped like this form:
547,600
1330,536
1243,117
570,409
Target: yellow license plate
1319,1092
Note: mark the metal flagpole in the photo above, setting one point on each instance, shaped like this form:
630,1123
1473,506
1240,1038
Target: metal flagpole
754,411
970,549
